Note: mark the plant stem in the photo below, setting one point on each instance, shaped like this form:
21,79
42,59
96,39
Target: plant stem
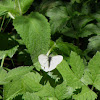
2,62
92,87
6,24
50,49
2,23
11,15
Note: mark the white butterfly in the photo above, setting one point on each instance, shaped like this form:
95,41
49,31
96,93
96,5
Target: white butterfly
49,63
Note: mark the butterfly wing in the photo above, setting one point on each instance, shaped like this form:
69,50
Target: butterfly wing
43,60
55,61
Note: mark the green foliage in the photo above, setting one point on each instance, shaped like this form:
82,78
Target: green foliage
58,17
9,52
94,43
71,29
35,36
15,6
3,74
30,96
94,67
76,75
86,94
17,72
23,5
24,83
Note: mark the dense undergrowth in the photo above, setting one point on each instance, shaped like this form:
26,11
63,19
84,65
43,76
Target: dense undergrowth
70,28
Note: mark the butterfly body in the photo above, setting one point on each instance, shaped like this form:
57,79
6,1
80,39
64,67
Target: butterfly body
49,63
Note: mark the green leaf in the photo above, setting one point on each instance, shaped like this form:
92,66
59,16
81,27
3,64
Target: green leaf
73,79
15,6
1,97
58,17
25,83
6,5
66,47
12,89
89,30
45,5
31,81
96,16
18,72
46,91
23,5
62,91
3,74
94,43
35,32
9,52
87,78
86,94
77,65
70,32
8,46
81,20
86,8
94,68
69,77
30,96
74,74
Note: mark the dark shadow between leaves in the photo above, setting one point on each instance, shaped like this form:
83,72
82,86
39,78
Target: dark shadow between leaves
54,79
6,42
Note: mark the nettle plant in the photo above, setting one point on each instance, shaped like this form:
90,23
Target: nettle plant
49,50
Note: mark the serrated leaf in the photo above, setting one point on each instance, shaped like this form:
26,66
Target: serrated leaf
3,74
12,89
81,20
96,16
25,83
89,29
87,78
94,68
58,17
70,78
18,72
77,65
86,94
31,81
62,91
66,47
46,91
30,96
37,66
35,32
70,32
94,43
74,74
